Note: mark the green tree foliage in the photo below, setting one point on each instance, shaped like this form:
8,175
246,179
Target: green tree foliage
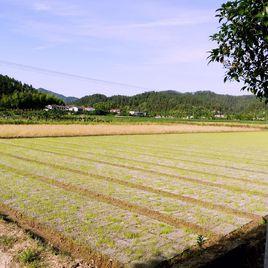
102,108
92,99
242,44
15,95
172,103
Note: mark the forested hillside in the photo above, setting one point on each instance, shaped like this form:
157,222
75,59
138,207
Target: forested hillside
201,103
16,95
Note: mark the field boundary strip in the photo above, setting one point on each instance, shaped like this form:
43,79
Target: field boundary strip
58,240
81,130
182,198
258,183
191,180
164,157
150,213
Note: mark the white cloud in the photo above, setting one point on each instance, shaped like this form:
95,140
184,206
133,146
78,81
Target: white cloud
158,32
41,6
53,7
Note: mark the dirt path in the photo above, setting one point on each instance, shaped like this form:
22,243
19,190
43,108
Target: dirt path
9,131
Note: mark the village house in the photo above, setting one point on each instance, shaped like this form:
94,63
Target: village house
63,108
56,107
75,109
115,111
136,113
219,116
89,109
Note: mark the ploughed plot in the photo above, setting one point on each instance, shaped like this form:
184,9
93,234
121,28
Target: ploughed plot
123,200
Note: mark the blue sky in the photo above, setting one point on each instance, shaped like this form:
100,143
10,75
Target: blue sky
156,44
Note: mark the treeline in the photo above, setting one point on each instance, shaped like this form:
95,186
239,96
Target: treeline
16,95
171,103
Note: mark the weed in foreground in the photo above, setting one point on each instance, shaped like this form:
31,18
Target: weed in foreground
131,235
30,256
200,240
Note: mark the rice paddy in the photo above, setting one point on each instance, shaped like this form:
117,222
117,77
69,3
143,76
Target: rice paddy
135,199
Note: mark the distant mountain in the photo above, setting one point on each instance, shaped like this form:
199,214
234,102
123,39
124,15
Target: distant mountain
60,96
173,103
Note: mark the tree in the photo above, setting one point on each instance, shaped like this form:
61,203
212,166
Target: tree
242,44
102,108
15,95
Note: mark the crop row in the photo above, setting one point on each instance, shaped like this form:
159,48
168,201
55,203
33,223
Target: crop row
254,200
254,186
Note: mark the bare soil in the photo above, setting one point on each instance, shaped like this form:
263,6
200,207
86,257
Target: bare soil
22,240
12,131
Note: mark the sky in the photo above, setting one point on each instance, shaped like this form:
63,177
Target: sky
152,44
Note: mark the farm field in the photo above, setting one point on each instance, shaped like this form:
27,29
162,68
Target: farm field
136,199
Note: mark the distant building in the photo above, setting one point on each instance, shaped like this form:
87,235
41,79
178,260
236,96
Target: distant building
189,117
135,113
89,109
219,116
75,109
49,107
115,111
67,108
56,107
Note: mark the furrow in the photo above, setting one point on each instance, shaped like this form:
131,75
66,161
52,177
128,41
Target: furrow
58,239
166,157
142,169
183,198
196,181
174,167
182,160
153,214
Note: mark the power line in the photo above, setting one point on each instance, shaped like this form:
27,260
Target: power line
73,76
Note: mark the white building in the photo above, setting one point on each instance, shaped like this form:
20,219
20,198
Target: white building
89,109
73,109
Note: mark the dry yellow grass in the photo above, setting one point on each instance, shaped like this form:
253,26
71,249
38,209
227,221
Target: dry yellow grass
12,131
